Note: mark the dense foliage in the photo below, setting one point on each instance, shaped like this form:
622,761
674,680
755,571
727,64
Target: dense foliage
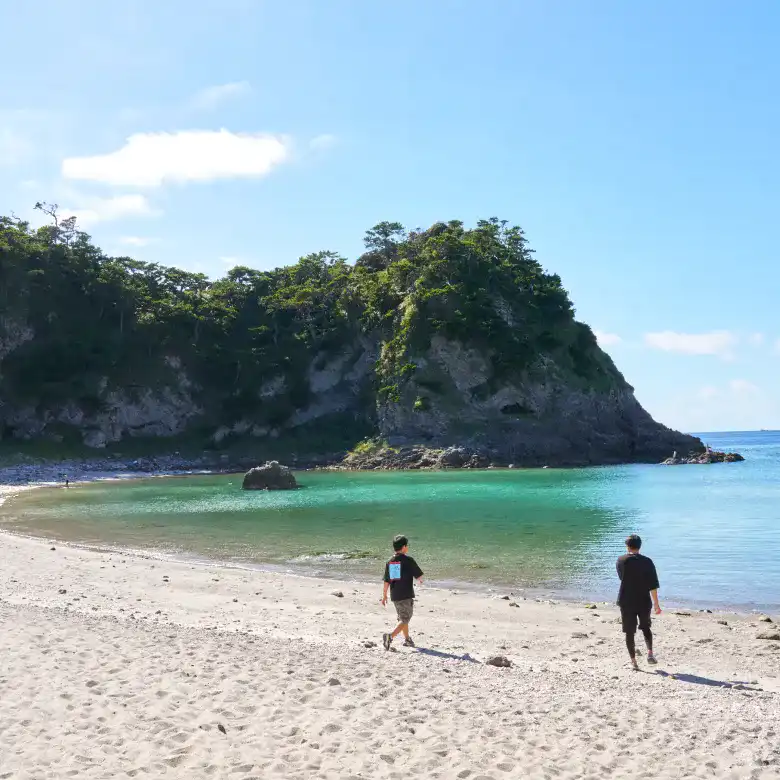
96,317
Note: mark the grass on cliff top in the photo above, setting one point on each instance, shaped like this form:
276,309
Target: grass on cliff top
369,447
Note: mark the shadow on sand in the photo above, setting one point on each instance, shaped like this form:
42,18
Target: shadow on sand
693,678
451,656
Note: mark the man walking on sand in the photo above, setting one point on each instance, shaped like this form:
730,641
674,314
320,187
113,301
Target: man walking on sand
400,573
638,596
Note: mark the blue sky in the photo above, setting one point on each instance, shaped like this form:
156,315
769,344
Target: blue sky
635,143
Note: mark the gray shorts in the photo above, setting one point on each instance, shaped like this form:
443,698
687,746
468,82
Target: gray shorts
404,609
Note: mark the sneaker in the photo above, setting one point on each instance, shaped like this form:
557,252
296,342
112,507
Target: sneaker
409,643
387,640
651,659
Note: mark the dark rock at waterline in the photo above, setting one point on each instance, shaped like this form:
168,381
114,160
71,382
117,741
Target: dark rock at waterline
413,457
703,458
453,457
270,476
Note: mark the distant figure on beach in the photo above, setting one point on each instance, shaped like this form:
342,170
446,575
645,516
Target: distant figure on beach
67,482
400,572
637,597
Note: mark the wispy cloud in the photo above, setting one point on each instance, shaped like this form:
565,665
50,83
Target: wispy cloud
756,339
137,241
211,97
607,339
90,211
322,142
231,261
720,343
153,159
743,387
14,147
707,392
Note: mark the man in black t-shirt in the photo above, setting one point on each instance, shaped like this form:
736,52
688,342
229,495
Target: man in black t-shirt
400,573
637,597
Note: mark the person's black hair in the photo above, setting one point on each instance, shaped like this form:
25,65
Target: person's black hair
633,542
399,542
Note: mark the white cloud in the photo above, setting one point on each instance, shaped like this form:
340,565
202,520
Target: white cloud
136,241
211,97
756,339
719,342
93,210
152,159
321,142
607,339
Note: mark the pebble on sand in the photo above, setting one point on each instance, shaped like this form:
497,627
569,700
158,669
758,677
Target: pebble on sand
499,660
338,594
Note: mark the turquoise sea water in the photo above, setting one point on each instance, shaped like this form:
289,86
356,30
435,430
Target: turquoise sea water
714,531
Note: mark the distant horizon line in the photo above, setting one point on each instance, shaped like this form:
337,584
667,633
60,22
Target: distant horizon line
735,430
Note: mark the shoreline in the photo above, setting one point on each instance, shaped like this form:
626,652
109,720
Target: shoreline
115,664
477,588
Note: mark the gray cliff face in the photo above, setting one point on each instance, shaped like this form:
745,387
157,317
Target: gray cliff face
114,413
455,396
535,418
148,412
12,335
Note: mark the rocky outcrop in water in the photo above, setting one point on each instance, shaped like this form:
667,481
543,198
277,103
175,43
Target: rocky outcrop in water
707,457
270,476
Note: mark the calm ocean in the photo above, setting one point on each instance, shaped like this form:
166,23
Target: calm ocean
713,531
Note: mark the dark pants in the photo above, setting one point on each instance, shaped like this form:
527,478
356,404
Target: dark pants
630,616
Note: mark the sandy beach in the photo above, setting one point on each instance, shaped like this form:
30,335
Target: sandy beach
128,666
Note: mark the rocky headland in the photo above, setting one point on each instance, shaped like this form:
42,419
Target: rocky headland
447,347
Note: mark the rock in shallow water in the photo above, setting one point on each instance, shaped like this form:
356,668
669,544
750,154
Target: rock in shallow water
271,476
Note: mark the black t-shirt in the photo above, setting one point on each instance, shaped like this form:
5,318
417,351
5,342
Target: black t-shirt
637,578
400,572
